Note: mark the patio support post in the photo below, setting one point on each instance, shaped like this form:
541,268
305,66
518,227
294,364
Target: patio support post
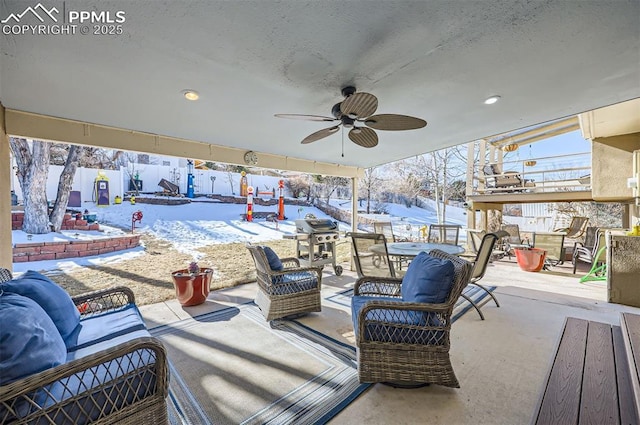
471,213
354,214
6,246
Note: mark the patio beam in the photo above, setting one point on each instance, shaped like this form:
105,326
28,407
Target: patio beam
35,126
6,243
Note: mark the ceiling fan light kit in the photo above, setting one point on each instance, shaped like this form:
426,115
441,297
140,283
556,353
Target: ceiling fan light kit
358,107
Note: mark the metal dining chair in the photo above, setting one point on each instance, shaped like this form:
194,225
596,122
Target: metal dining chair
444,233
368,263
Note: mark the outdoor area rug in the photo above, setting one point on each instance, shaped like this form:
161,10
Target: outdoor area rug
233,367
478,296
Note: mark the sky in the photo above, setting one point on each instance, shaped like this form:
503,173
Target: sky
203,222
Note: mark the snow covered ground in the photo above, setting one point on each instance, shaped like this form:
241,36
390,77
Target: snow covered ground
203,222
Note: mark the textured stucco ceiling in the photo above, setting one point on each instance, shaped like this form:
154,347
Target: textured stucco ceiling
437,60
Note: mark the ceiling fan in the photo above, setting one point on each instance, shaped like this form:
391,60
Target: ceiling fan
356,112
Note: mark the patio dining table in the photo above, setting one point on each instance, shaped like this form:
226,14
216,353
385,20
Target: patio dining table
412,249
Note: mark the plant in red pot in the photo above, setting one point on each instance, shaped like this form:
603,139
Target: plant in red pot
192,284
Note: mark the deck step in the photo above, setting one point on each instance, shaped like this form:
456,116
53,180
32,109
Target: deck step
630,329
589,380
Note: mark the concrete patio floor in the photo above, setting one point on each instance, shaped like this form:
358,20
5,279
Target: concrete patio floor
501,362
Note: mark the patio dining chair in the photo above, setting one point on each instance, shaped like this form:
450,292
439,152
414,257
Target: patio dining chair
403,334
483,258
513,240
444,233
386,228
284,288
594,255
553,244
368,263
576,228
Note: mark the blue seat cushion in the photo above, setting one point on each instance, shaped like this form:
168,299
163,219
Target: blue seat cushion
272,257
29,341
105,327
292,283
428,280
381,323
51,297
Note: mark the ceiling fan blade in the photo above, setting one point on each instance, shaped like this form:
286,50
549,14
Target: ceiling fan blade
359,105
364,137
313,137
305,117
393,122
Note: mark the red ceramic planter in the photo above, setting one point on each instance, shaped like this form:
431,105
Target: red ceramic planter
530,259
192,288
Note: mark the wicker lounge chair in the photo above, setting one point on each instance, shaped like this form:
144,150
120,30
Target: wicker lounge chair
292,290
406,343
507,181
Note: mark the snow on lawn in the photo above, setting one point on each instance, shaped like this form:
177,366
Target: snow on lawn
202,222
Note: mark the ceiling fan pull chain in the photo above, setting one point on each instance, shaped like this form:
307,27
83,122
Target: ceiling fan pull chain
343,141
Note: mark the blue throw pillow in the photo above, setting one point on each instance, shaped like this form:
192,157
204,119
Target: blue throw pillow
29,341
51,297
428,280
274,260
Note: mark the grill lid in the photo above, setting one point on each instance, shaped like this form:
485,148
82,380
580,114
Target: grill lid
316,225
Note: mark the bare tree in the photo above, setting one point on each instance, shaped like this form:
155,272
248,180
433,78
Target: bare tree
32,159
298,185
370,185
64,187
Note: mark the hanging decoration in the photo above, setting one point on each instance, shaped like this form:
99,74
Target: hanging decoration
510,148
530,162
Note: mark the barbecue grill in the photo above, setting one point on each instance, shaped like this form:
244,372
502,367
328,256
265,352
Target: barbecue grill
316,243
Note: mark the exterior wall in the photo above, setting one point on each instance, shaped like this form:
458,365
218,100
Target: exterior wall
611,164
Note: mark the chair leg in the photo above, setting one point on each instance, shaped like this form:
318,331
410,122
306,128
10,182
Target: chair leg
488,292
473,304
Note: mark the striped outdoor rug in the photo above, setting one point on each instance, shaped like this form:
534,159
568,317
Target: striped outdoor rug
232,367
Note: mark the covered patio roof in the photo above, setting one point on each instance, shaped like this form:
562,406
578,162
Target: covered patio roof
250,60
115,78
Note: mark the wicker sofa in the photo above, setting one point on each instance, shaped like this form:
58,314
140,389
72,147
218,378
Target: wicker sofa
108,370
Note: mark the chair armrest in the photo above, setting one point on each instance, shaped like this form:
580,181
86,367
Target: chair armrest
378,286
103,300
408,322
290,262
72,384
276,281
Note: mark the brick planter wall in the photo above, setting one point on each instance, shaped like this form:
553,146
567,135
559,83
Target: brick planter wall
69,222
38,251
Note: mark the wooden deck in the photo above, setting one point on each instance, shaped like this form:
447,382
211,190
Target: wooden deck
590,380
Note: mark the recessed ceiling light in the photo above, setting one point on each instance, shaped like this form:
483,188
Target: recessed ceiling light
491,100
190,94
